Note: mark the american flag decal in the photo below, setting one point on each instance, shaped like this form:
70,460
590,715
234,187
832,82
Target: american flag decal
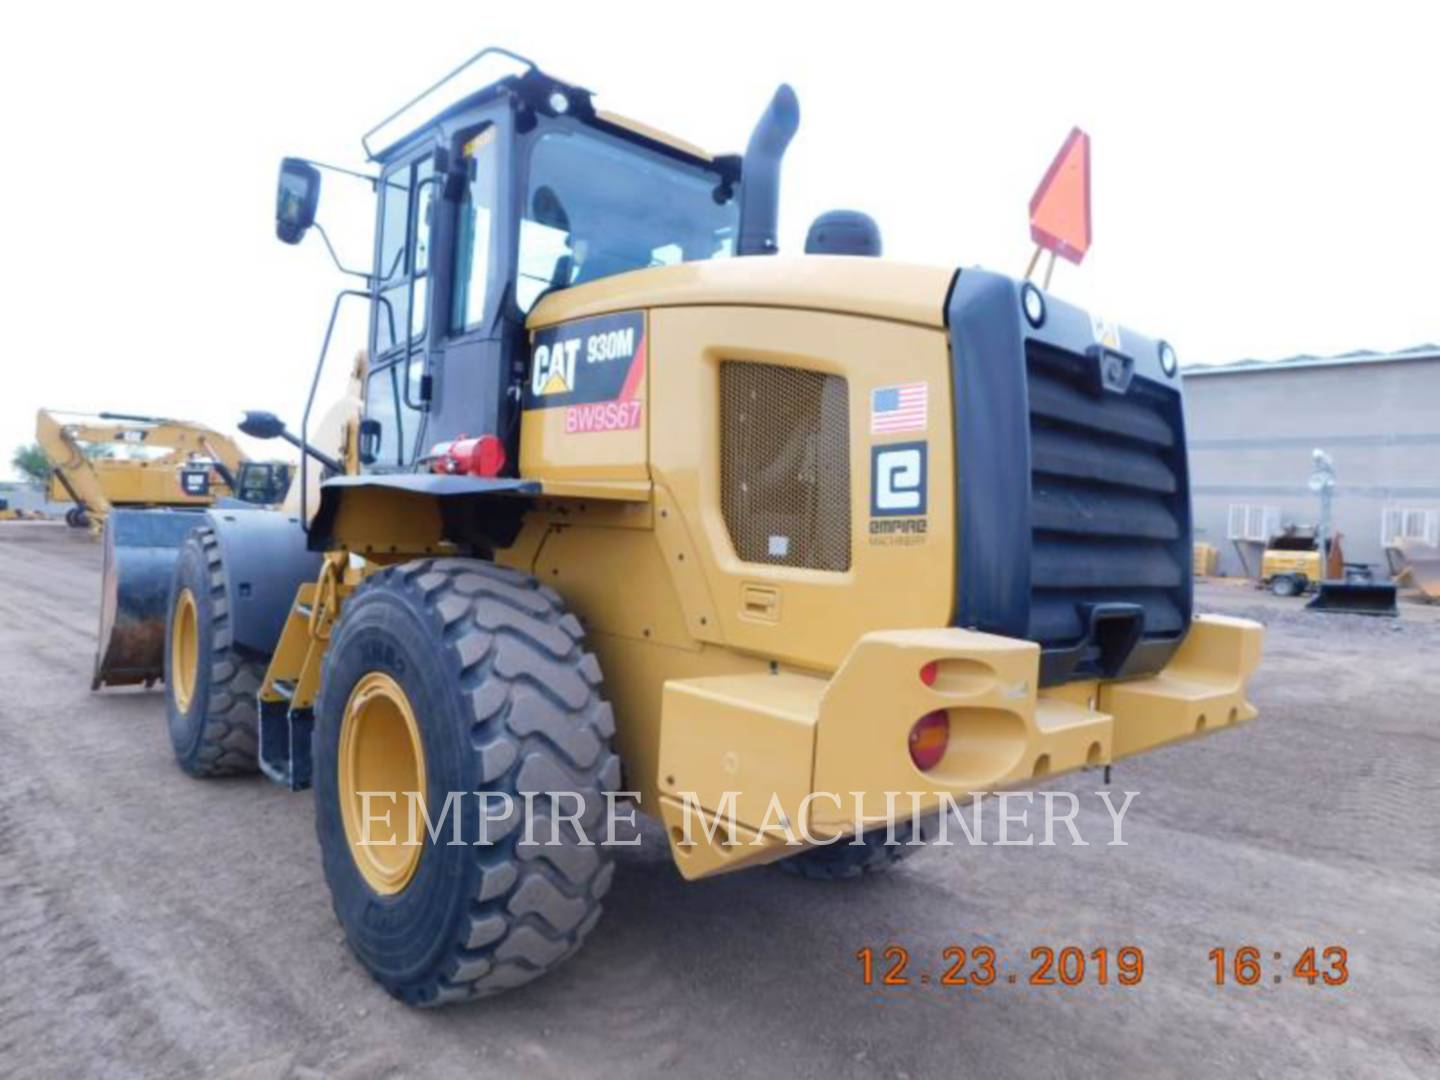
899,408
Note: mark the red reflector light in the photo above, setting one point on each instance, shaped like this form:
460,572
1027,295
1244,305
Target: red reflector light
929,671
929,738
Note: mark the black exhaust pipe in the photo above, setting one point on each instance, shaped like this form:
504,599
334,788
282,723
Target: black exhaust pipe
760,174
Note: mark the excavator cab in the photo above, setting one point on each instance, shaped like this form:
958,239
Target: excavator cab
263,483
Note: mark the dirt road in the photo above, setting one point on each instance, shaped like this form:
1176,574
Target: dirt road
151,924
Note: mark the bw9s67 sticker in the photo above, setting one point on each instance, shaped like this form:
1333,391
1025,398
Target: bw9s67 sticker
591,368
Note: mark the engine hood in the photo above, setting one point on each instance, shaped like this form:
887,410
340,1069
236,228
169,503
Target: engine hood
871,287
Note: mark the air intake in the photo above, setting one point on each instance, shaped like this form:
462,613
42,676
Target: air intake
785,465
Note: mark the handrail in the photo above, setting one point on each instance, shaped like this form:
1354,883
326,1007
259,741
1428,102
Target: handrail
315,383
487,51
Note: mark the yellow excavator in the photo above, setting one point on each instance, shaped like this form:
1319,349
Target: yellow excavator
787,550
123,460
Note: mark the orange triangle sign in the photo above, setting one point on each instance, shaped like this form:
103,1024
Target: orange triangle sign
1060,207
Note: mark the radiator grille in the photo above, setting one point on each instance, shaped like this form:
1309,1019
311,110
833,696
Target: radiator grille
785,465
1109,509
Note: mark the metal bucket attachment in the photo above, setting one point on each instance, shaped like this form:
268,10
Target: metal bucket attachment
140,551
1416,563
1357,598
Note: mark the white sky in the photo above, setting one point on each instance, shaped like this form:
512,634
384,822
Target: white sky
1264,175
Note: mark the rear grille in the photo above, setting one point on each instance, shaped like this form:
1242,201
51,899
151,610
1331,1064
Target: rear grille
1109,509
785,465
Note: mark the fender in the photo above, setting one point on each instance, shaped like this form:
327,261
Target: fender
266,561
468,508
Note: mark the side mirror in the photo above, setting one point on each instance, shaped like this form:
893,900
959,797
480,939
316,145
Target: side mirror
296,199
266,425
262,425
369,449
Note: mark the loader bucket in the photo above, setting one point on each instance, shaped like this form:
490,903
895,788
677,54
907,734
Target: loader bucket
1367,598
140,551
1420,563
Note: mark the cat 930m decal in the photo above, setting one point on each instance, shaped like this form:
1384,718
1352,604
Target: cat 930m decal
592,369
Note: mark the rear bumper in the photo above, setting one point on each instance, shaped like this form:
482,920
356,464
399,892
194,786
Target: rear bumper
793,751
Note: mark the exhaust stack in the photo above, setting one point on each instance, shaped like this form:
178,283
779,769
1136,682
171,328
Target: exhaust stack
760,175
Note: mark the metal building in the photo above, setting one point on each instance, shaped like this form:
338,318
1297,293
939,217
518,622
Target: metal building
1253,426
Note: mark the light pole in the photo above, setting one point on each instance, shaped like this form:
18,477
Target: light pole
1322,482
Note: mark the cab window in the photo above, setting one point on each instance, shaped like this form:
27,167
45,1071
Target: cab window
473,235
596,207
399,315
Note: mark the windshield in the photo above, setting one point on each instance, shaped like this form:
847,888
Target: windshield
596,207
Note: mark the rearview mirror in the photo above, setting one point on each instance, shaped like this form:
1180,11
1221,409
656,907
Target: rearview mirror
296,198
262,425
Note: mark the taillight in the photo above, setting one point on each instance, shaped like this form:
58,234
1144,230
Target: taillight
929,672
929,737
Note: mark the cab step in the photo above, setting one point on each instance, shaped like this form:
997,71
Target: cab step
285,743
287,716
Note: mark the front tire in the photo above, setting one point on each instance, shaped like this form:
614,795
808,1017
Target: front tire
505,701
210,685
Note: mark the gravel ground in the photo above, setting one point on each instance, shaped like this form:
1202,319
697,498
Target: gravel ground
154,925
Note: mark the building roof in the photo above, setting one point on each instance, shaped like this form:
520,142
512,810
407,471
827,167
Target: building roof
1358,356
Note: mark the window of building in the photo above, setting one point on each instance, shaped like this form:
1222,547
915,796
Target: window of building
1404,523
1248,522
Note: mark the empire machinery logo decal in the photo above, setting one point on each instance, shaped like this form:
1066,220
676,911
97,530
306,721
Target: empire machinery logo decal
592,369
898,493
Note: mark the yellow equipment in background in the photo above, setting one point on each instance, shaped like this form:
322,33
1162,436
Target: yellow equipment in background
1416,564
1206,560
121,460
1291,563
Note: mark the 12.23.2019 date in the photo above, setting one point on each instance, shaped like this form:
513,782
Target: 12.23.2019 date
1068,965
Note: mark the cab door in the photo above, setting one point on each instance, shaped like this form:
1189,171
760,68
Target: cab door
474,330
400,316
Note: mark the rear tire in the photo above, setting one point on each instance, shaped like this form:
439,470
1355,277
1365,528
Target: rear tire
210,705
508,701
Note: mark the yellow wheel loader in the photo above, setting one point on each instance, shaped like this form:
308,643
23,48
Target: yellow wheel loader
140,481
637,504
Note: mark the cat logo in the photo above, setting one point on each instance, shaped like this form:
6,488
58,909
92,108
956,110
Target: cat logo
553,371
1107,334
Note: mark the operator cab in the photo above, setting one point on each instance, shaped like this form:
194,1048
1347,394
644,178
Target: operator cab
517,190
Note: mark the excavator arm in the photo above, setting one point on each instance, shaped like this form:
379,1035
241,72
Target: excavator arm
98,485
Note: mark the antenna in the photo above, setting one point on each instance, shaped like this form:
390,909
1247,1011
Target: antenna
1060,207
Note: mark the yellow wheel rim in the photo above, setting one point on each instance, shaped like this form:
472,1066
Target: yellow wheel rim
185,650
380,753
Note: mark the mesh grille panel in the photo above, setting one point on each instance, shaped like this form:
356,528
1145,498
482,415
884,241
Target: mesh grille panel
785,465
